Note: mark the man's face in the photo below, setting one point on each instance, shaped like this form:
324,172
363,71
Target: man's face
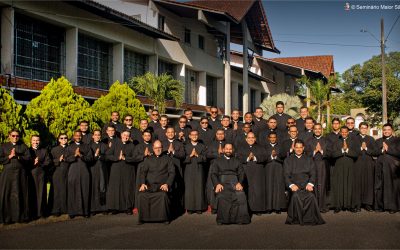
144,124
163,122
272,138
235,115
204,123
170,133
225,122
189,114
246,128
344,132
146,136
182,123
35,141
248,118
63,139
303,113
77,136
298,148
110,132
350,124
309,124
279,108
114,117
96,136
128,121
220,135
125,136
290,122
84,127
363,130
272,124
194,136
259,113
214,113
154,115
251,139
293,132
228,150
318,130
387,131
157,148
335,125
14,137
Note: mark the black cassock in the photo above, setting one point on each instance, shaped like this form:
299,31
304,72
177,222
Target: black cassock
38,182
206,136
321,168
255,175
332,138
275,181
99,174
343,173
306,135
14,183
154,204
87,138
121,186
138,159
214,124
231,205
230,135
303,207
300,124
212,154
193,124
388,171
59,181
259,126
364,172
195,177
136,135
78,179
240,140
281,119
159,133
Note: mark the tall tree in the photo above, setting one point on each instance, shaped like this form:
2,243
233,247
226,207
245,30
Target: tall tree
11,115
120,98
159,89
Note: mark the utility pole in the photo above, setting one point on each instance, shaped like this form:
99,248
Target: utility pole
384,91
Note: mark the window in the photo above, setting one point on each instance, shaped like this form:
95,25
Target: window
263,96
211,87
94,62
191,87
252,100
201,42
187,36
161,22
166,67
39,51
135,64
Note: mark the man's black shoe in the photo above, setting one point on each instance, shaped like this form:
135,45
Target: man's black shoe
392,211
166,222
337,210
368,208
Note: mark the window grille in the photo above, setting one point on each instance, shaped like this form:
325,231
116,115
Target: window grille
135,64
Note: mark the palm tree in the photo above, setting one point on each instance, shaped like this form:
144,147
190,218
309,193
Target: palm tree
159,89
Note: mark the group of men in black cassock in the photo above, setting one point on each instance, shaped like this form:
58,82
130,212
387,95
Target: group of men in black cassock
237,169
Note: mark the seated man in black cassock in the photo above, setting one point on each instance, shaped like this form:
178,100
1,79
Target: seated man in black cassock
227,177
300,174
156,178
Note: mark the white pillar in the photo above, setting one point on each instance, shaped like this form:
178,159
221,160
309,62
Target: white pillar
7,41
180,75
71,60
245,69
202,88
118,63
153,64
235,95
227,71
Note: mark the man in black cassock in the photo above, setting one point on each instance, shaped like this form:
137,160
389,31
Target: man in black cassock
156,179
121,185
206,135
388,171
213,120
300,123
192,124
308,132
316,148
154,116
230,134
271,127
281,117
182,130
259,123
345,152
159,132
40,163
86,135
275,182
99,174
364,170
236,124
175,150
15,157
227,175
195,175
300,174
240,138
351,123
253,157
128,126
59,179
114,122
332,137
78,155
287,146
110,135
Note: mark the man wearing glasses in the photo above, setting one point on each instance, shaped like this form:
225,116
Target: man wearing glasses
353,132
128,126
154,123
213,121
15,157
206,135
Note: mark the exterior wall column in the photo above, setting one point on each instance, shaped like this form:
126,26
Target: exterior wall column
7,41
245,69
235,95
71,60
202,88
118,63
153,64
227,71
258,98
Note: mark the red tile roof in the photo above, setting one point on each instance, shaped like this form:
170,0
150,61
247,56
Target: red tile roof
323,64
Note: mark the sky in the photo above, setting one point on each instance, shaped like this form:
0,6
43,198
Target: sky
327,22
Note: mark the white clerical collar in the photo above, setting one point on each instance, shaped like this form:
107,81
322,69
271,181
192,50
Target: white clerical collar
146,143
171,140
155,121
96,142
258,119
63,146
129,127
194,143
213,119
280,114
83,133
309,131
78,143
387,138
226,157
317,137
298,156
35,148
111,137
293,139
251,145
272,144
115,123
336,132
13,143
204,129
363,136
225,128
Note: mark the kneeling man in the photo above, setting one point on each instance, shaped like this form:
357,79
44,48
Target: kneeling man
300,174
156,178
227,177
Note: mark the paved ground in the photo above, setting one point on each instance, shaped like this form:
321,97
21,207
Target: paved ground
343,230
